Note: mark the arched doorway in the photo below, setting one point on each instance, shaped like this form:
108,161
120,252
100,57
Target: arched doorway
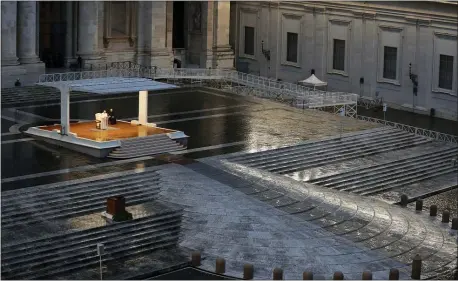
52,32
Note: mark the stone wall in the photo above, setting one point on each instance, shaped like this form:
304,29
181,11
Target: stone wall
419,36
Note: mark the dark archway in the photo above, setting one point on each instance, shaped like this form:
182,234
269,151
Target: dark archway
178,40
52,32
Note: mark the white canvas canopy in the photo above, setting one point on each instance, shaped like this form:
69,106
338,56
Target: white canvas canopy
313,81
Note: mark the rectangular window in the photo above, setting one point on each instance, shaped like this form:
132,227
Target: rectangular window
390,57
291,46
446,72
338,59
249,40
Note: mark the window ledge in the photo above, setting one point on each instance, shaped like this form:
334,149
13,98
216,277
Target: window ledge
293,64
445,91
245,56
388,81
338,72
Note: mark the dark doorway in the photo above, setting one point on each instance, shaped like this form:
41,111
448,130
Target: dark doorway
178,25
52,33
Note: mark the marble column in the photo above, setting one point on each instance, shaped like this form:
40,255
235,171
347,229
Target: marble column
27,32
88,47
69,57
9,31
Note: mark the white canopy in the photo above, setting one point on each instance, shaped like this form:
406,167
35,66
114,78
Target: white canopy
313,81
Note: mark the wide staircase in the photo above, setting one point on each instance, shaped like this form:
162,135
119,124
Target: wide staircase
51,255
36,204
144,146
381,178
288,160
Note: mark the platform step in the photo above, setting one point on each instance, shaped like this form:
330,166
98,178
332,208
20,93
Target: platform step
145,146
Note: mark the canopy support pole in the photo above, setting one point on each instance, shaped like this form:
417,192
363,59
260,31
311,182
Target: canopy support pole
64,109
143,107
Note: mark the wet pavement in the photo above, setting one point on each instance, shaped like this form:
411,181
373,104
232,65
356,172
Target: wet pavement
276,221
413,119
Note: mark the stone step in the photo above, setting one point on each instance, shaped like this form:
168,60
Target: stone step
253,157
146,152
22,207
346,156
51,240
395,163
390,175
299,155
390,170
90,258
71,248
98,206
373,148
328,147
77,194
398,183
32,192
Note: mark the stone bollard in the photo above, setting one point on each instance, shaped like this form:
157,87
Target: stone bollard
195,259
455,223
446,216
338,275
248,271
278,274
367,275
404,200
307,275
433,210
220,267
394,274
416,267
419,205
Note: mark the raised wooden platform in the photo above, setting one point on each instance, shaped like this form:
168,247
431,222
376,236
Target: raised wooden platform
121,130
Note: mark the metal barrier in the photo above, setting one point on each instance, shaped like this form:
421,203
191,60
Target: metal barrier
414,130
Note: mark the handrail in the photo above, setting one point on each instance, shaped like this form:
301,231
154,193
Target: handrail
411,129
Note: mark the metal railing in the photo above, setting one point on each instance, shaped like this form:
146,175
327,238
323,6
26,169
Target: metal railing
264,87
128,69
415,130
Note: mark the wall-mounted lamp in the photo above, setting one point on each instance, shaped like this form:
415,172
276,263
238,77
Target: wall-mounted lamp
266,53
414,79
313,71
361,80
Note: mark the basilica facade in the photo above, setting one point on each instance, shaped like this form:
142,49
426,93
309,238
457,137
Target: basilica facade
404,53
52,35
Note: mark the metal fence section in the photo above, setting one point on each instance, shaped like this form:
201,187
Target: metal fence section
418,131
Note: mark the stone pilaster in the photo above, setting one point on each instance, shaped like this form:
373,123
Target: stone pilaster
152,47
88,31
27,32
69,54
216,25
9,31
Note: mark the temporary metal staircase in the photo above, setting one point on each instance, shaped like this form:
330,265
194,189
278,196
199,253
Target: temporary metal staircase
143,146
